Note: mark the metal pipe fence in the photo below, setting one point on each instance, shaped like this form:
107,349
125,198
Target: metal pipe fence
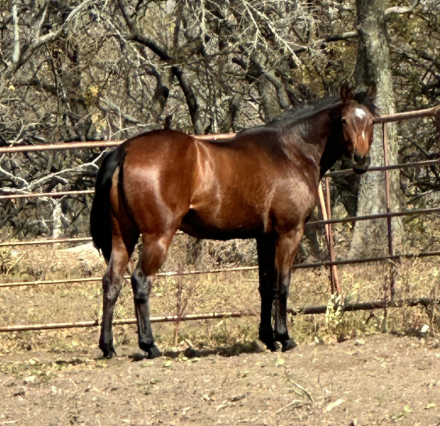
327,221
328,263
308,310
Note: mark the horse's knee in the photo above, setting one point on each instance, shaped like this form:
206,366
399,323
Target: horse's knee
283,286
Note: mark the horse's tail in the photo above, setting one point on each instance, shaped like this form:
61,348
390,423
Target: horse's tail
100,219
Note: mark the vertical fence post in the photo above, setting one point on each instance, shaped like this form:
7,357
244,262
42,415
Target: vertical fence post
388,204
326,214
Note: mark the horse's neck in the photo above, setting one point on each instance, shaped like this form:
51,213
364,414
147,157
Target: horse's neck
331,145
323,135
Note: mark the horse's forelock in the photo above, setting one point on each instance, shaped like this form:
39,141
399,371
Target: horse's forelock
363,97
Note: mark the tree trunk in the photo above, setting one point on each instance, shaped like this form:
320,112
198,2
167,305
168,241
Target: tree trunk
373,70
269,99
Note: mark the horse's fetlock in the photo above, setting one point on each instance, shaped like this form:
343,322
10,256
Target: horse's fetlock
266,336
146,343
107,348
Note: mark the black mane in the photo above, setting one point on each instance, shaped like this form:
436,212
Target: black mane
294,116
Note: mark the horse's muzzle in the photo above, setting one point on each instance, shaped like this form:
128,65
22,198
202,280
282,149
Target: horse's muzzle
360,165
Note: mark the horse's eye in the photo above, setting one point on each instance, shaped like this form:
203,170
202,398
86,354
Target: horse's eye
344,121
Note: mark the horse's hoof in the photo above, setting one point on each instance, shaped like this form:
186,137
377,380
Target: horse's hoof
274,346
108,353
153,352
150,348
288,345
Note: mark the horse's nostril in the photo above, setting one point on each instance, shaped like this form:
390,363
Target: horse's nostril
357,157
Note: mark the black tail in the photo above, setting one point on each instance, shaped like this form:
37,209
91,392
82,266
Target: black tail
100,221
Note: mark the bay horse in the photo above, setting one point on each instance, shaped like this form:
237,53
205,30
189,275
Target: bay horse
262,184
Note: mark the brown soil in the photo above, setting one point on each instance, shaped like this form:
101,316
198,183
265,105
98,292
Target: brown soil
380,379
56,377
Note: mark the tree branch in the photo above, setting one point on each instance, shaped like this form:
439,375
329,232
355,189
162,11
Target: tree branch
283,98
39,23
152,45
142,39
16,51
184,81
28,49
191,100
54,35
398,10
112,107
331,39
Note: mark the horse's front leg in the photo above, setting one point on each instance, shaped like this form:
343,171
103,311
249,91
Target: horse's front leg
266,270
286,248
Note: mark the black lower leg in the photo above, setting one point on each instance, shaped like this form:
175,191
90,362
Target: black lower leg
266,334
110,295
281,332
266,272
141,285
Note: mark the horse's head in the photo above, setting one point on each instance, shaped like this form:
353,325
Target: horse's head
357,128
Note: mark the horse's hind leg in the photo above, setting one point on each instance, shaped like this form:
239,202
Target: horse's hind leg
154,252
111,284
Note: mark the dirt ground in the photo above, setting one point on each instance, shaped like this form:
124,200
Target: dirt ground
380,379
57,377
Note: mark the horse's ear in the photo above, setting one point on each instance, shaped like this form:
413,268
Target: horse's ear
372,92
346,93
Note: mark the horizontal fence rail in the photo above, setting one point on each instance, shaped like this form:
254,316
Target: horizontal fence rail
93,144
328,174
429,112
45,241
97,323
414,212
385,168
237,269
60,146
309,310
46,194
160,274
399,116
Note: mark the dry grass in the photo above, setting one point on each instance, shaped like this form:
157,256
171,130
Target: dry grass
199,294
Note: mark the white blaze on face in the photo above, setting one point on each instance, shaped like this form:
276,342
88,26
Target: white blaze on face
359,113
